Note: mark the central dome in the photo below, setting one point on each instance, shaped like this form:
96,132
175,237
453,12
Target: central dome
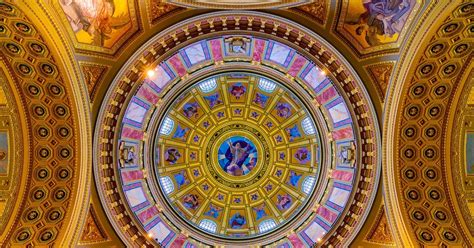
236,155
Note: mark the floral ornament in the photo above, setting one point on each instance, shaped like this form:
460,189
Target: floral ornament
220,197
268,187
254,197
282,156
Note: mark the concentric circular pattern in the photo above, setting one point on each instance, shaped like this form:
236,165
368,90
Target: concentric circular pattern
237,155
135,106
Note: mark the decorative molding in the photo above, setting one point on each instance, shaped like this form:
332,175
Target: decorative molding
235,5
380,232
92,231
57,165
318,10
159,9
380,74
93,75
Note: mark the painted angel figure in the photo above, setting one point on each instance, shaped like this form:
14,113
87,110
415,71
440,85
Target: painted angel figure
95,17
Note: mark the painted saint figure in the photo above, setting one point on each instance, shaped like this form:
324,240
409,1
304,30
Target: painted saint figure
284,201
237,156
237,90
191,201
237,221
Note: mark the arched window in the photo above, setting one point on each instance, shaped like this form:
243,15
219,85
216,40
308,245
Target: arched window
266,225
167,184
208,225
208,85
167,126
308,184
266,85
308,127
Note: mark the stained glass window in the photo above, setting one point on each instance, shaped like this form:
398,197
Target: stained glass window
266,225
308,184
167,126
308,127
208,225
167,184
208,85
266,85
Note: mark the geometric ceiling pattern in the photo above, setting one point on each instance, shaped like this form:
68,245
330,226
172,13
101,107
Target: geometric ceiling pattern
44,169
318,80
231,182
192,123
419,169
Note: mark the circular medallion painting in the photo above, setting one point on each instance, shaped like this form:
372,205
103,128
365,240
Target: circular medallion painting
237,155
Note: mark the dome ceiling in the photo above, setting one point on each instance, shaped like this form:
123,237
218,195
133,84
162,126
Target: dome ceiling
237,155
236,128
221,138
